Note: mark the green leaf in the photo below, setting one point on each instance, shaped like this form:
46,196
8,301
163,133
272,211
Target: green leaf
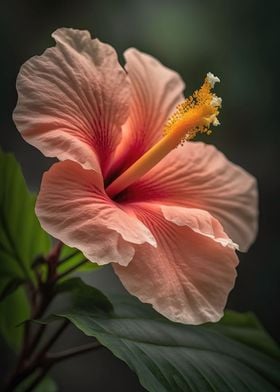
14,309
21,237
7,287
74,256
46,385
21,240
172,357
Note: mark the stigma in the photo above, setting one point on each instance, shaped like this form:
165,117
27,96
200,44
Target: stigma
194,115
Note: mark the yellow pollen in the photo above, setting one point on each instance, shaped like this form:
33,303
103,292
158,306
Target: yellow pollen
201,109
193,116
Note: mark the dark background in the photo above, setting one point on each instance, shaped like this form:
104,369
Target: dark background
236,40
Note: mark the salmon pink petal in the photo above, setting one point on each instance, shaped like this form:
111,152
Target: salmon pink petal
197,175
190,274
73,99
73,207
155,92
199,221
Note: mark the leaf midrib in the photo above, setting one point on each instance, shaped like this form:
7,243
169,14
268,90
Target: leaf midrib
165,345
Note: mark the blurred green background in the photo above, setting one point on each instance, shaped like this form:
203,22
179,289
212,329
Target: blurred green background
236,40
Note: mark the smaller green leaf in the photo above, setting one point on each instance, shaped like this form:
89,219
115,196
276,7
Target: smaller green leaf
21,241
21,236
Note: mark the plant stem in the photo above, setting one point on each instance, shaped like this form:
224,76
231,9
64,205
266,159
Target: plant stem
72,269
24,349
72,352
41,296
37,337
39,378
51,341
51,359
62,261
24,371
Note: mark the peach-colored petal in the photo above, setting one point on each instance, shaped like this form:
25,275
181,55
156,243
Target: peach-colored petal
73,99
197,175
155,91
199,221
189,276
73,207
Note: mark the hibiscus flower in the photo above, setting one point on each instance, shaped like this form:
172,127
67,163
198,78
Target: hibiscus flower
130,188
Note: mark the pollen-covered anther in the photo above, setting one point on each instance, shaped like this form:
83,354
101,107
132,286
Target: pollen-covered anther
196,114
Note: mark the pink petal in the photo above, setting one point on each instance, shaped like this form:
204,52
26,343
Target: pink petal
189,276
199,221
73,207
199,176
73,99
155,92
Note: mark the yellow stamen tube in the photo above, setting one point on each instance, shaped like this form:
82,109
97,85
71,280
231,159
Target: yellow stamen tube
194,115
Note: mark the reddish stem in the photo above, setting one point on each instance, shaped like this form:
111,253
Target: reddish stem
40,297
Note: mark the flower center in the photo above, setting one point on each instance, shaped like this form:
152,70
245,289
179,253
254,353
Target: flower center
193,116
